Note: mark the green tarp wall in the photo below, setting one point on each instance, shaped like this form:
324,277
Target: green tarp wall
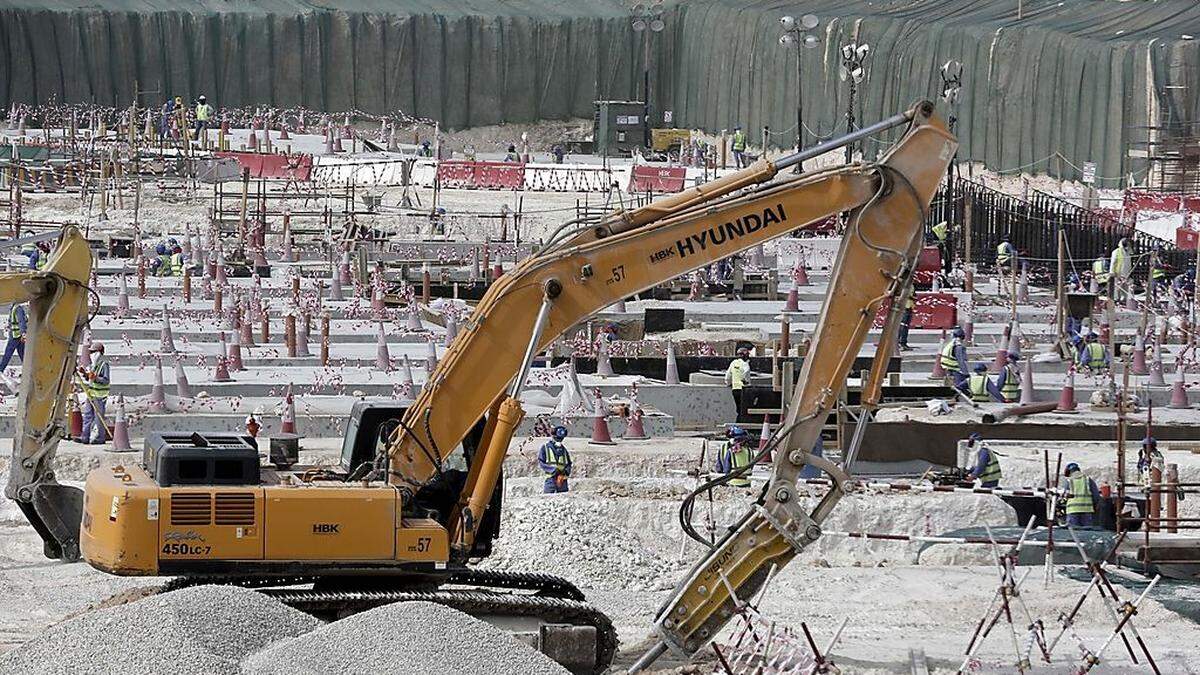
1079,77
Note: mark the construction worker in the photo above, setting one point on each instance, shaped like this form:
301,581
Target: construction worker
204,113
176,260
96,383
979,387
164,120
953,356
40,256
555,462
1183,286
1006,256
1149,458
987,464
739,147
16,335
160,264
1120,268
736,375
1158,274
511,155
1093,356
559,153
941,236
1083,496
1008,380
1075,346
735,454
906,323
426,150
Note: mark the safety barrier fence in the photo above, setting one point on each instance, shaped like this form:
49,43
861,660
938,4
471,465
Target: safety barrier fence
980,217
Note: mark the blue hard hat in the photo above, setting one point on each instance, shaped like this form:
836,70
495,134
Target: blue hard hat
160,249
1149,442
560,432
975,436
958,332
737,432
1076,337
1071,468
981,367
1092,336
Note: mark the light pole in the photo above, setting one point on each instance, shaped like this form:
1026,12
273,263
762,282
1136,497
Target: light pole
853,72
646,20
951,86
796,35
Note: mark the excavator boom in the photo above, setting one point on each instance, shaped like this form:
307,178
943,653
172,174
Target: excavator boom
58,310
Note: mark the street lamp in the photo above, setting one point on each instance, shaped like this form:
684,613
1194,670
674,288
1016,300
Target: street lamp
853,72
795,35
646,20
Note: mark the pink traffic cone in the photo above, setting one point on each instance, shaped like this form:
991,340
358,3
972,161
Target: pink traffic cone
1001,358
672,365
335,288
235,353
497,271
283,133
1156,370
383,359
793,301
636,430
182,388
344,268
120,438
288,424
302,340
252,141
1066,400
800,274
166,340
158,397
431,358
222,368
123,294
603,364
414,318
1027,383
246,329
451,329
1179,397
1139,356
406,377
938,372
600,434
1023,288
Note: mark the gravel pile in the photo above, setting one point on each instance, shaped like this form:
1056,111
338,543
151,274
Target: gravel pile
203,629
592,543
404,638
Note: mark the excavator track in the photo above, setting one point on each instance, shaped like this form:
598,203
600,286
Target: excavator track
475,603
544,596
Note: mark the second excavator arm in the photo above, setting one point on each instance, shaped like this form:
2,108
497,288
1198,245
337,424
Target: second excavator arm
58,309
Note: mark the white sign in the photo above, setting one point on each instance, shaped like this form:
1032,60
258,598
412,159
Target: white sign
1089,172
668,116
627,119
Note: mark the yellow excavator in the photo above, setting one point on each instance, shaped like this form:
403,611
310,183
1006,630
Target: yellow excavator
417,497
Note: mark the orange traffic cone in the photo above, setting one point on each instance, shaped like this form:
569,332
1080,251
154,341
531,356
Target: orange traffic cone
222,369
636,431
182,388
1179,397
764,437
166,341
793,301
603,364
383,359
672,365
75,419
1139,356
1156,370
1066,400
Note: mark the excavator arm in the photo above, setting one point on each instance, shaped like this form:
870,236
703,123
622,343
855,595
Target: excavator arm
58,310
582,271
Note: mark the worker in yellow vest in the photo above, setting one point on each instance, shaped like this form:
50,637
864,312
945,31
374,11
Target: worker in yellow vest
736,376
1120,268
979,387
1008,381
906,323
739,147
987,464
96,382
16,335
1083,497
1093,356
941,236
1006,256
734,456
953,356
204,113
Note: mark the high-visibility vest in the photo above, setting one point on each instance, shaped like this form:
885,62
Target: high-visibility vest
991,471
949,360
737,373
96,389
164,265
1011,391
14,324
940,231
978,387
1080,499
203,112
1119,266
736,457
739,141
1096,354
42,259
1158,273
559,460
1002,253
177,264
1100,270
